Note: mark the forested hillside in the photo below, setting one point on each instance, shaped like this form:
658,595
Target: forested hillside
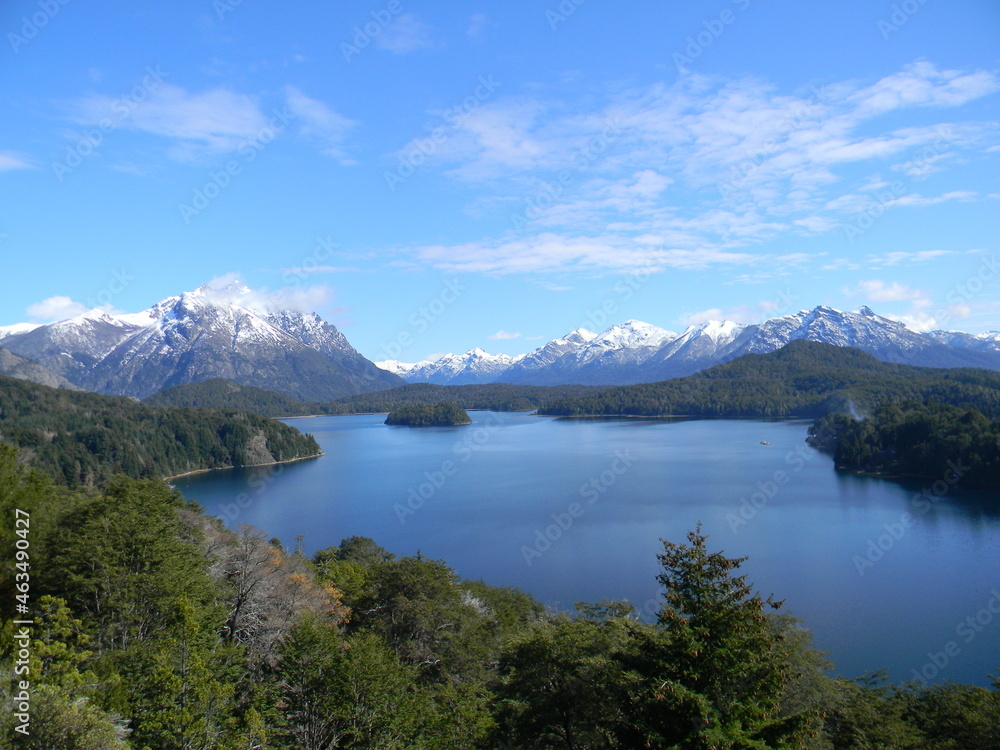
224,394
221,394
85,438
910,439
805,379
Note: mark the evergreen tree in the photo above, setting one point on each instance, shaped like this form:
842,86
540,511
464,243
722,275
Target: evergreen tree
715,670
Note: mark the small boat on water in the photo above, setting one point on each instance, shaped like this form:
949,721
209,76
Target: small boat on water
764,442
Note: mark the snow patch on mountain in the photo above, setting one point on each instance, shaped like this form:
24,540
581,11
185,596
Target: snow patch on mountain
17,328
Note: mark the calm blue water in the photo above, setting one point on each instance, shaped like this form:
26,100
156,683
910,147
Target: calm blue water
573,510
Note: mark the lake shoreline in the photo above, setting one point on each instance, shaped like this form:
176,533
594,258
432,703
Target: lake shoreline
247,466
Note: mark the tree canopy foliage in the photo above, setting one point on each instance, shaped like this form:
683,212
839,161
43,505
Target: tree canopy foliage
911,439
222,394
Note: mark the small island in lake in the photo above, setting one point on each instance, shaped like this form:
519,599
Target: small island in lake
429,415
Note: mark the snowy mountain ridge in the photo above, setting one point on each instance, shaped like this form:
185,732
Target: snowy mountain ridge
637,352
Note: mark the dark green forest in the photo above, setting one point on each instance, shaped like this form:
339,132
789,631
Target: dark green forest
225,394
84,438
803,379
157,627
428,415
222,394
487,397
911,439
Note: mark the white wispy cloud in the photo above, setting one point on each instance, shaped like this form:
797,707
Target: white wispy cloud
502,335
478,23
915,200
305,298
214,121
317,120
923,167
405,34
10,160
554,252
922,84
738,314
898,257
876,290
320,269
921,322
699,172
55,308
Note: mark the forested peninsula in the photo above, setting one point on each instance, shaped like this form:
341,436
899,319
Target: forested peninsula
81,438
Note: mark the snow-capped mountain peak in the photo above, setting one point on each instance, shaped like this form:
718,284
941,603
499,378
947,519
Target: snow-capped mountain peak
579,336
719,331
195,336
633,333
401,368
16,328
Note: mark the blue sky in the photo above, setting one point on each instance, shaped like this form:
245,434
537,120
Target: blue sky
433,177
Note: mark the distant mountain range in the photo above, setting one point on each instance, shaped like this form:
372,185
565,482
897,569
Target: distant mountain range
226,333
635,352
197,336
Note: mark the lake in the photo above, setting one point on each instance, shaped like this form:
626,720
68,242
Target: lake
573,510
